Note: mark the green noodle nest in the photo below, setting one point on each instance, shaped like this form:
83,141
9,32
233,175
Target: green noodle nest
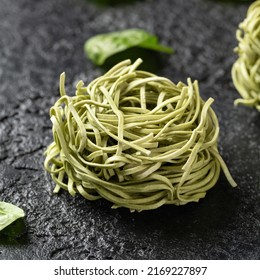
135,139
246,69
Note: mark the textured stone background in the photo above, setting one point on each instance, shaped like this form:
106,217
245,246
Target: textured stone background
41,39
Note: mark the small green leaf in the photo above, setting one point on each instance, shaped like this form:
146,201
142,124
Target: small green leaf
102,46
9,213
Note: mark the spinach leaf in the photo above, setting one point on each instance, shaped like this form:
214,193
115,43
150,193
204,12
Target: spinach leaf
9,213
102,46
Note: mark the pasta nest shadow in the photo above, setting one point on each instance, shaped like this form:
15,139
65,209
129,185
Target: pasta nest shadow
135,139
246,69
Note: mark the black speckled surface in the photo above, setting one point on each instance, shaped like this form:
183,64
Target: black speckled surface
41,39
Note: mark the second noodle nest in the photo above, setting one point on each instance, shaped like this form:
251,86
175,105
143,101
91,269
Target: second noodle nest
246,69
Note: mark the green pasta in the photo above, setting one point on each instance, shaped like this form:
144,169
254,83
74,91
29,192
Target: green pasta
135,139
246,69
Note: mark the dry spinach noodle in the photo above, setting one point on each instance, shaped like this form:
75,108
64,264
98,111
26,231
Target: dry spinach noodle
246,69
135,139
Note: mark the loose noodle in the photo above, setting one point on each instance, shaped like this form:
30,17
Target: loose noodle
135,139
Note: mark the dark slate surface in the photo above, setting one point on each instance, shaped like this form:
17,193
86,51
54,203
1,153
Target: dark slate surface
41,39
